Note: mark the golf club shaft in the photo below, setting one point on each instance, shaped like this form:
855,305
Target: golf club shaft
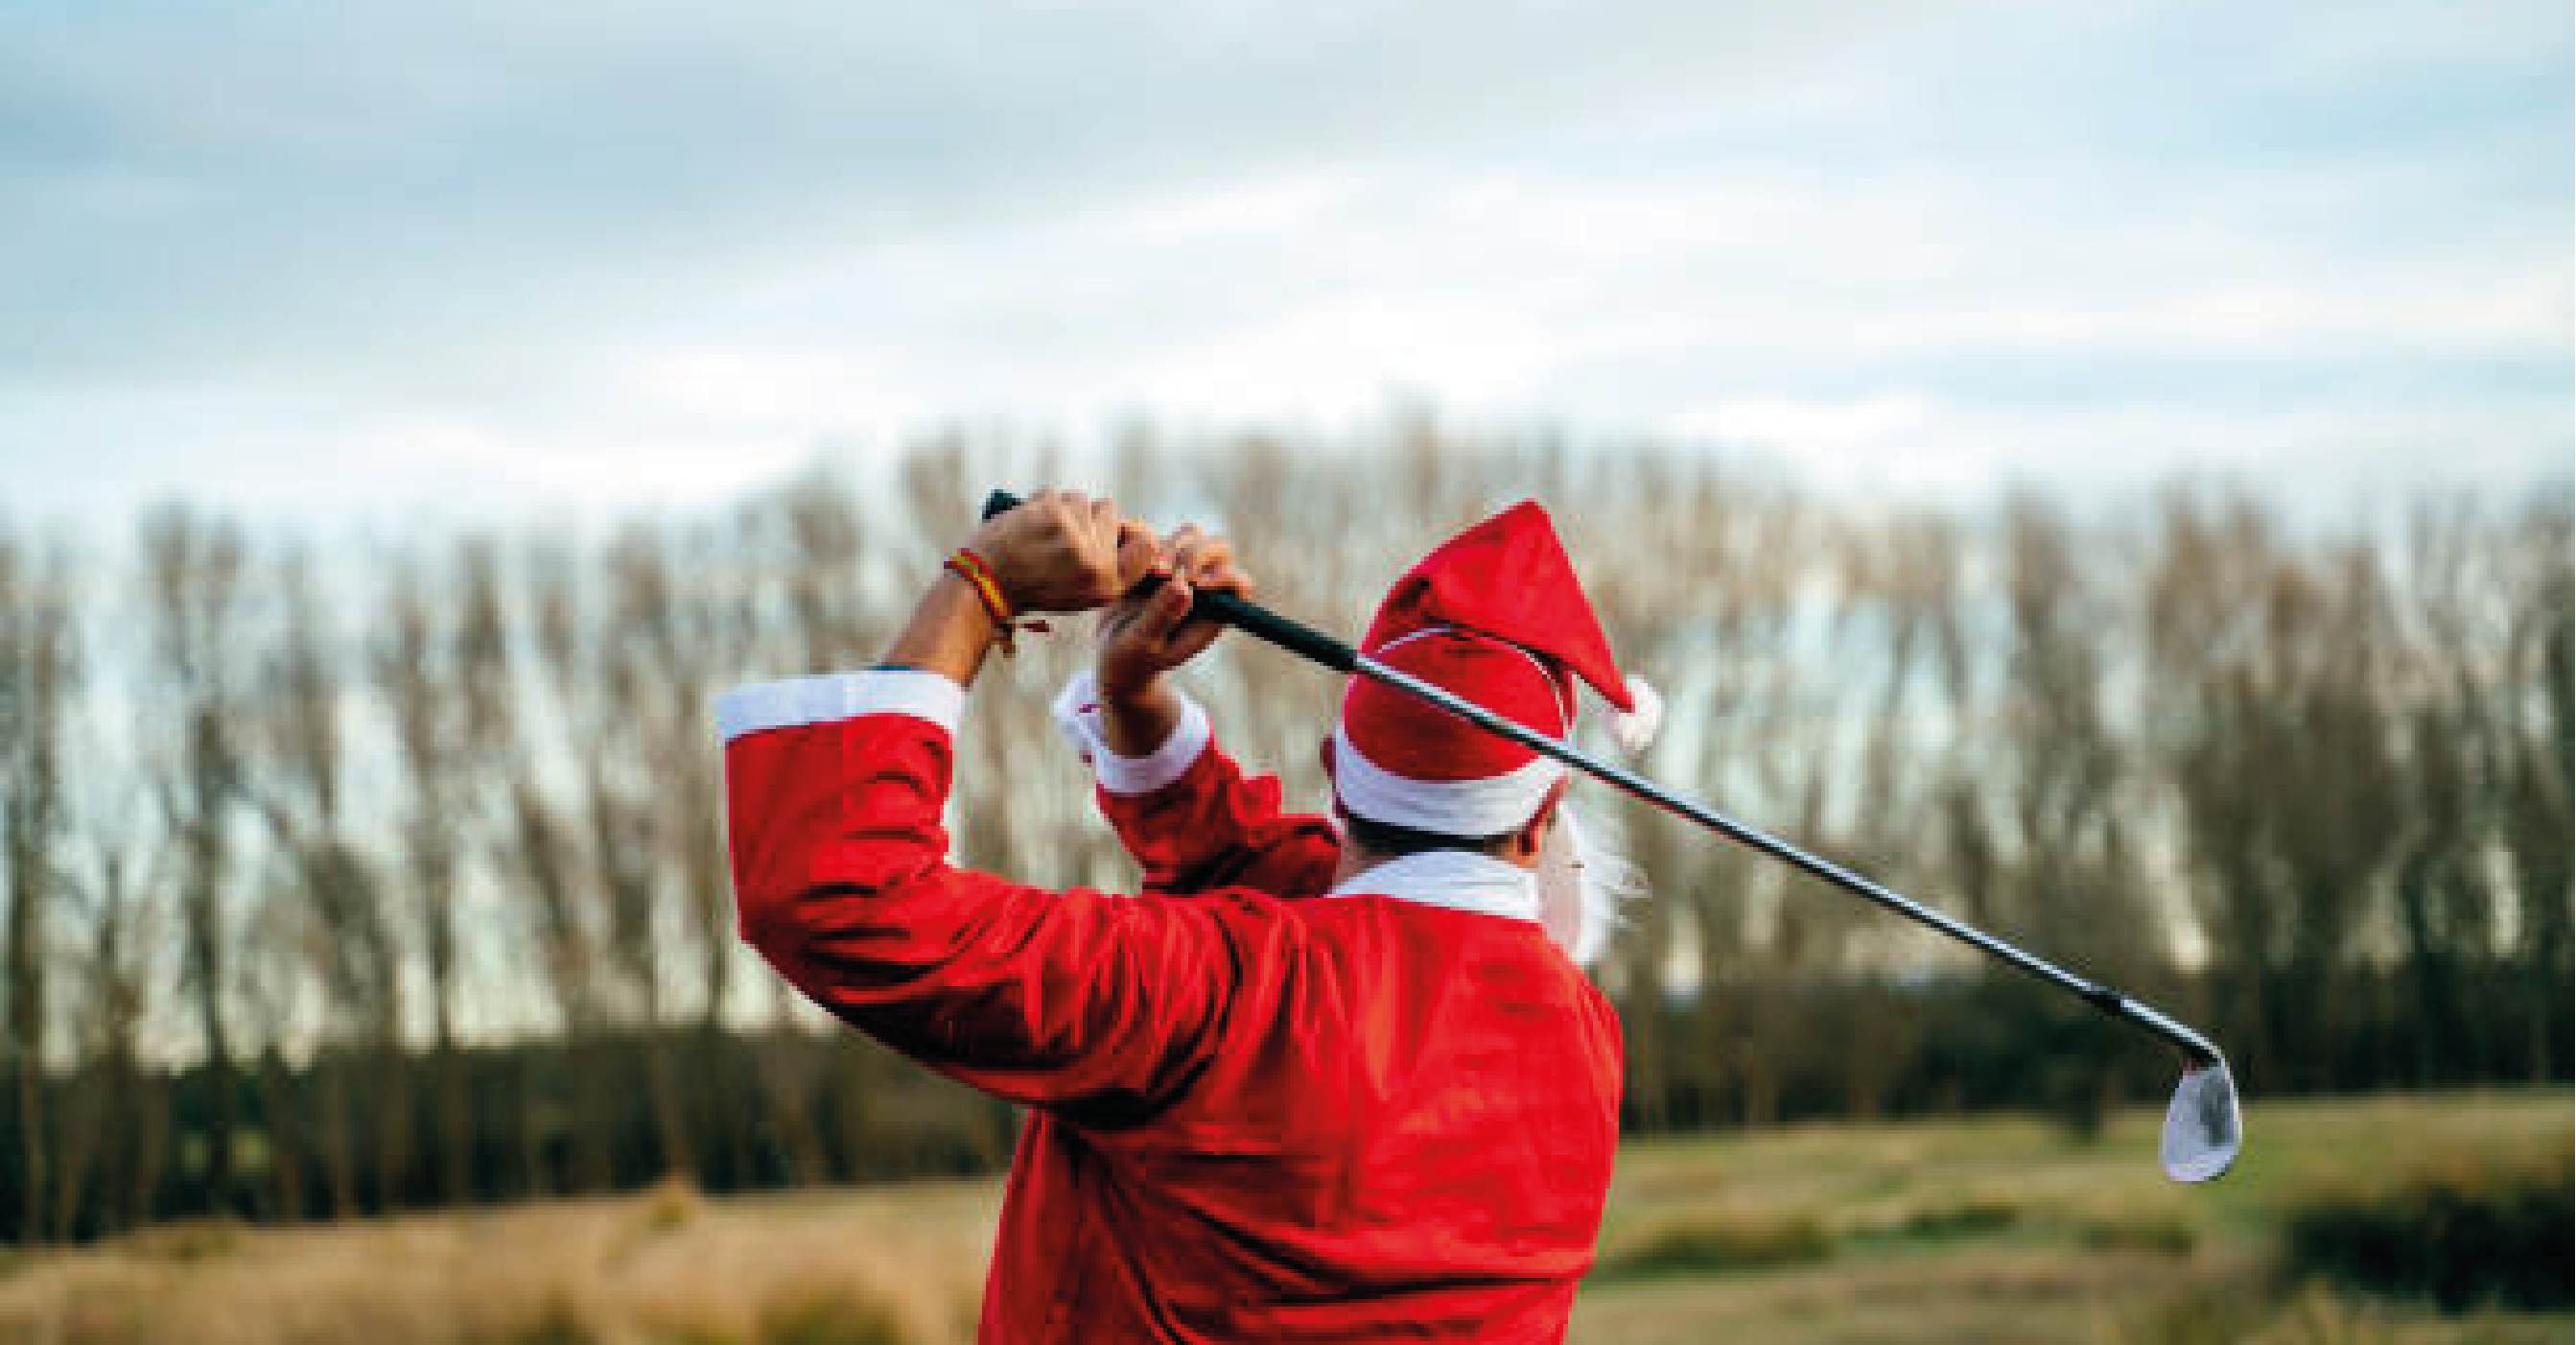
1304,640
2100,996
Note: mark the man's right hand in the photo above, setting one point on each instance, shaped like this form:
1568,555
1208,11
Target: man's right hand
1149,632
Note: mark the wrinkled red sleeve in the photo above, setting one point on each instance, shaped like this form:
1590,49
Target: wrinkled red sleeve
1190,816
1067,999
1214,827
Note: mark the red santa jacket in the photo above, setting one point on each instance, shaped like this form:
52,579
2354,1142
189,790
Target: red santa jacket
1261,1111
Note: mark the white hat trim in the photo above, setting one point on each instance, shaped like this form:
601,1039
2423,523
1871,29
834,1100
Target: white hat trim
1488,806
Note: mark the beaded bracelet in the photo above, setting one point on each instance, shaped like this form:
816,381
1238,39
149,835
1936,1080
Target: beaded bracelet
978,574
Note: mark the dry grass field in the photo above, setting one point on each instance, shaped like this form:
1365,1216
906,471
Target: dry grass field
1996,1231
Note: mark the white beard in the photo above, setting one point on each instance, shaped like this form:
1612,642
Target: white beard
1583,880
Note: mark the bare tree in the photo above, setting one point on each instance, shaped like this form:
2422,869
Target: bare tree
300,790
115,1130
440,668
2453,741
2273,669
620,703
193,568
39,667
2316,774
693,641
2535,703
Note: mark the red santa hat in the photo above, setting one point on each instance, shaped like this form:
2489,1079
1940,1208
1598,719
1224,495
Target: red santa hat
1496,615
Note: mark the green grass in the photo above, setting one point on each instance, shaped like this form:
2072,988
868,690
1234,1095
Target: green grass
555,1321
2003,1229
1998,1230
2462,1230
829,1317
1718,1248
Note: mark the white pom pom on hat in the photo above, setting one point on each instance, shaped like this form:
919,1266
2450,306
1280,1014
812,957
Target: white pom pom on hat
1635,729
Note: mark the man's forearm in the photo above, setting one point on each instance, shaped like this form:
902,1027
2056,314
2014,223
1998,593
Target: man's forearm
1135,723
949,633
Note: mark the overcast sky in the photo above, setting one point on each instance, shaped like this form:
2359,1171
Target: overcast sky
332,259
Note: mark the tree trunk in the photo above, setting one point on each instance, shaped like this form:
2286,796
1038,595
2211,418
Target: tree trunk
207,972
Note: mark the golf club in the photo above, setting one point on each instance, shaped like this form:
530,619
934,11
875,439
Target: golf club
2202,1131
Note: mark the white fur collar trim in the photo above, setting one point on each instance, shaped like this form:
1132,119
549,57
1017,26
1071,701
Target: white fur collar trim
1461,880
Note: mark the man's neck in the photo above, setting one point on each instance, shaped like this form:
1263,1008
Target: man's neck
1355,861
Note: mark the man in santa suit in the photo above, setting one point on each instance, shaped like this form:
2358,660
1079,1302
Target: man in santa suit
1317,1081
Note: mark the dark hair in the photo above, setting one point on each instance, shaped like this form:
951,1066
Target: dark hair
1387,840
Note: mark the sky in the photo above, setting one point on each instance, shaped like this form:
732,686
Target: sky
331,261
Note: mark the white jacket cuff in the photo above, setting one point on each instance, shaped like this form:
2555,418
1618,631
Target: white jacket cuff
828,697
1077,714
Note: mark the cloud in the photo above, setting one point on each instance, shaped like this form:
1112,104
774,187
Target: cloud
284,181
667,253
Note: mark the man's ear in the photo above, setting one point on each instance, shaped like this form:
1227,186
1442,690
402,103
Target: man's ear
1527,842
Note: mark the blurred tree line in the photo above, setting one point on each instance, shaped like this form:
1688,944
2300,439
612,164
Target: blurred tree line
393,877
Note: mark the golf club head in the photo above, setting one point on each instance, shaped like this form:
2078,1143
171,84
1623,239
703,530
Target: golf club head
2202,1128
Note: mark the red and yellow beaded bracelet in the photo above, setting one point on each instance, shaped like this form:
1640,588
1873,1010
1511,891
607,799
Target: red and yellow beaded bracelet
978,574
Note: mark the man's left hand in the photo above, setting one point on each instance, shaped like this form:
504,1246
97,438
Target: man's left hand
1063,551
1150,631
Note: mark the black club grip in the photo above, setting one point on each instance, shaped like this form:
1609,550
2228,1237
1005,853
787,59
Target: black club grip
1250,618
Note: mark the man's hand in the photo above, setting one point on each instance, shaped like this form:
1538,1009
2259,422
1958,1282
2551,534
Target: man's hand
1149,632
1062,551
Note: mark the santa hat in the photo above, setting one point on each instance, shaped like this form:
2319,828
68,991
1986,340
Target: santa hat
1496,615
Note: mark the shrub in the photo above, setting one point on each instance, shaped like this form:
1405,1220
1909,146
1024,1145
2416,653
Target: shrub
670,1204
2166,1233
2247,1313
187,1242
2238,1315
2213,1315
1960,1220
2462,1234
555,1320
1731,1245
92,1315
829,1316
1972,1217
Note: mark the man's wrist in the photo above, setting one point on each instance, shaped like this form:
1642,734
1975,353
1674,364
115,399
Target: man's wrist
949,633
1137,720
1139,693
999,562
